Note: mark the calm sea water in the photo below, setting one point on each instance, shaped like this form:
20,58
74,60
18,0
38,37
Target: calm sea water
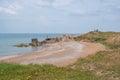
8,40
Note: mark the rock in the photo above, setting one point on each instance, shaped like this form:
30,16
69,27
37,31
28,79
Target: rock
50,40
35,42
67,37
58,39
22,45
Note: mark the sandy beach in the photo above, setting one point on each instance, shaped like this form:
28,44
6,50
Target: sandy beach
60,54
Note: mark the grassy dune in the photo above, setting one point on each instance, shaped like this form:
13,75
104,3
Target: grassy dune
42,72
104,65
109,39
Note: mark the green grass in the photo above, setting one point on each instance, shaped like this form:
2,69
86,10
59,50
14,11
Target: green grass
104,65
110,39
42,72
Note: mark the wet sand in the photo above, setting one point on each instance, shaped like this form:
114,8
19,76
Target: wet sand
60,54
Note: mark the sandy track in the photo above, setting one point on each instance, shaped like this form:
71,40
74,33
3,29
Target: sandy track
59,54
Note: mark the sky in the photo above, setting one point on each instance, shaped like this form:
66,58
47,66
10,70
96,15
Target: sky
59,16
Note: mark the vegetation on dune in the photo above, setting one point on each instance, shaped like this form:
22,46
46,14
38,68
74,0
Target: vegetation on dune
110,39
104,65
41,72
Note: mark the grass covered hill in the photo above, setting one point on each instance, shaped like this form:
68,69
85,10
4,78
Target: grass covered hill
104,65
109,39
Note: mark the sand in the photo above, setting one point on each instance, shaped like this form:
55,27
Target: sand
59,54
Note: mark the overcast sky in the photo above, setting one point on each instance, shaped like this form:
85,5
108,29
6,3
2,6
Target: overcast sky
59,16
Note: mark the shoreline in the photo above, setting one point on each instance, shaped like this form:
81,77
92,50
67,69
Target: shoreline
15,55
59,54
7,57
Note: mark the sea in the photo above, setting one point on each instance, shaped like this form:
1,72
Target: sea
8,40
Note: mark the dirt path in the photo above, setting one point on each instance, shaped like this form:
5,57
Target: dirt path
59,54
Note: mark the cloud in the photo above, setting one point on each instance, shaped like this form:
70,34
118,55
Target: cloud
61,3
43,2
54,3
10,8
15,6
84,7
60,13
8,11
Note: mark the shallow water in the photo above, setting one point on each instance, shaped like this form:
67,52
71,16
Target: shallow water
7,42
